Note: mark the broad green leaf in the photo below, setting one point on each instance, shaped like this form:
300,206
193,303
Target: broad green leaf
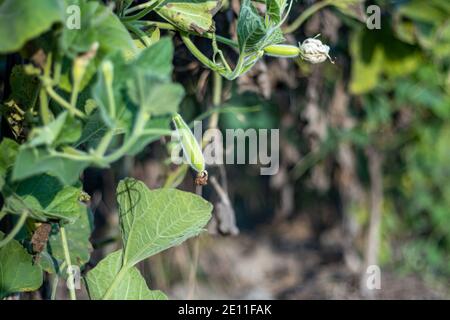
8,152
33,161
156,59
155,220
121,72
275,10
17,271
23,20
47,198
63,130
47,135
147,78
78,234
190,15
98,24
153,95
253,34
94,129
130,286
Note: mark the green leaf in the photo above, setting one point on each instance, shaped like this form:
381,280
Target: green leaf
131,287
154,96
33,161
149,87
63,130
78,234
190,15
8,152
17,271
147,79
253,34
98,24
46,197
275,10
155,220
156,59
23,20
93,131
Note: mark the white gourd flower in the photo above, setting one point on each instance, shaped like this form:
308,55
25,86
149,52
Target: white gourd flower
314,51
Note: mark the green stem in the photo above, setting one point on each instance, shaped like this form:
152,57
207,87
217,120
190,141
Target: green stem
217,89
68,262
63,103
305,15
55,280
139,33
115,282
104,143
74,95
44,109
210,64
168,26
139,7
216,99
111,100
152,131
15,230
197,53
147,7
76,157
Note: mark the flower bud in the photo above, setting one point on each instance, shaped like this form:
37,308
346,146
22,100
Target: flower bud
314,51
191,148
282,51
81,62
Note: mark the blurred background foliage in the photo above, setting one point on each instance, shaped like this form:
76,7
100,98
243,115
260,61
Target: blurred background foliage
364,146
388,94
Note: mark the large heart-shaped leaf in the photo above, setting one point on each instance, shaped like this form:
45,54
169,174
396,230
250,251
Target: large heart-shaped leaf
17,271
275,10
131,286
154,220
153,95
253,34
